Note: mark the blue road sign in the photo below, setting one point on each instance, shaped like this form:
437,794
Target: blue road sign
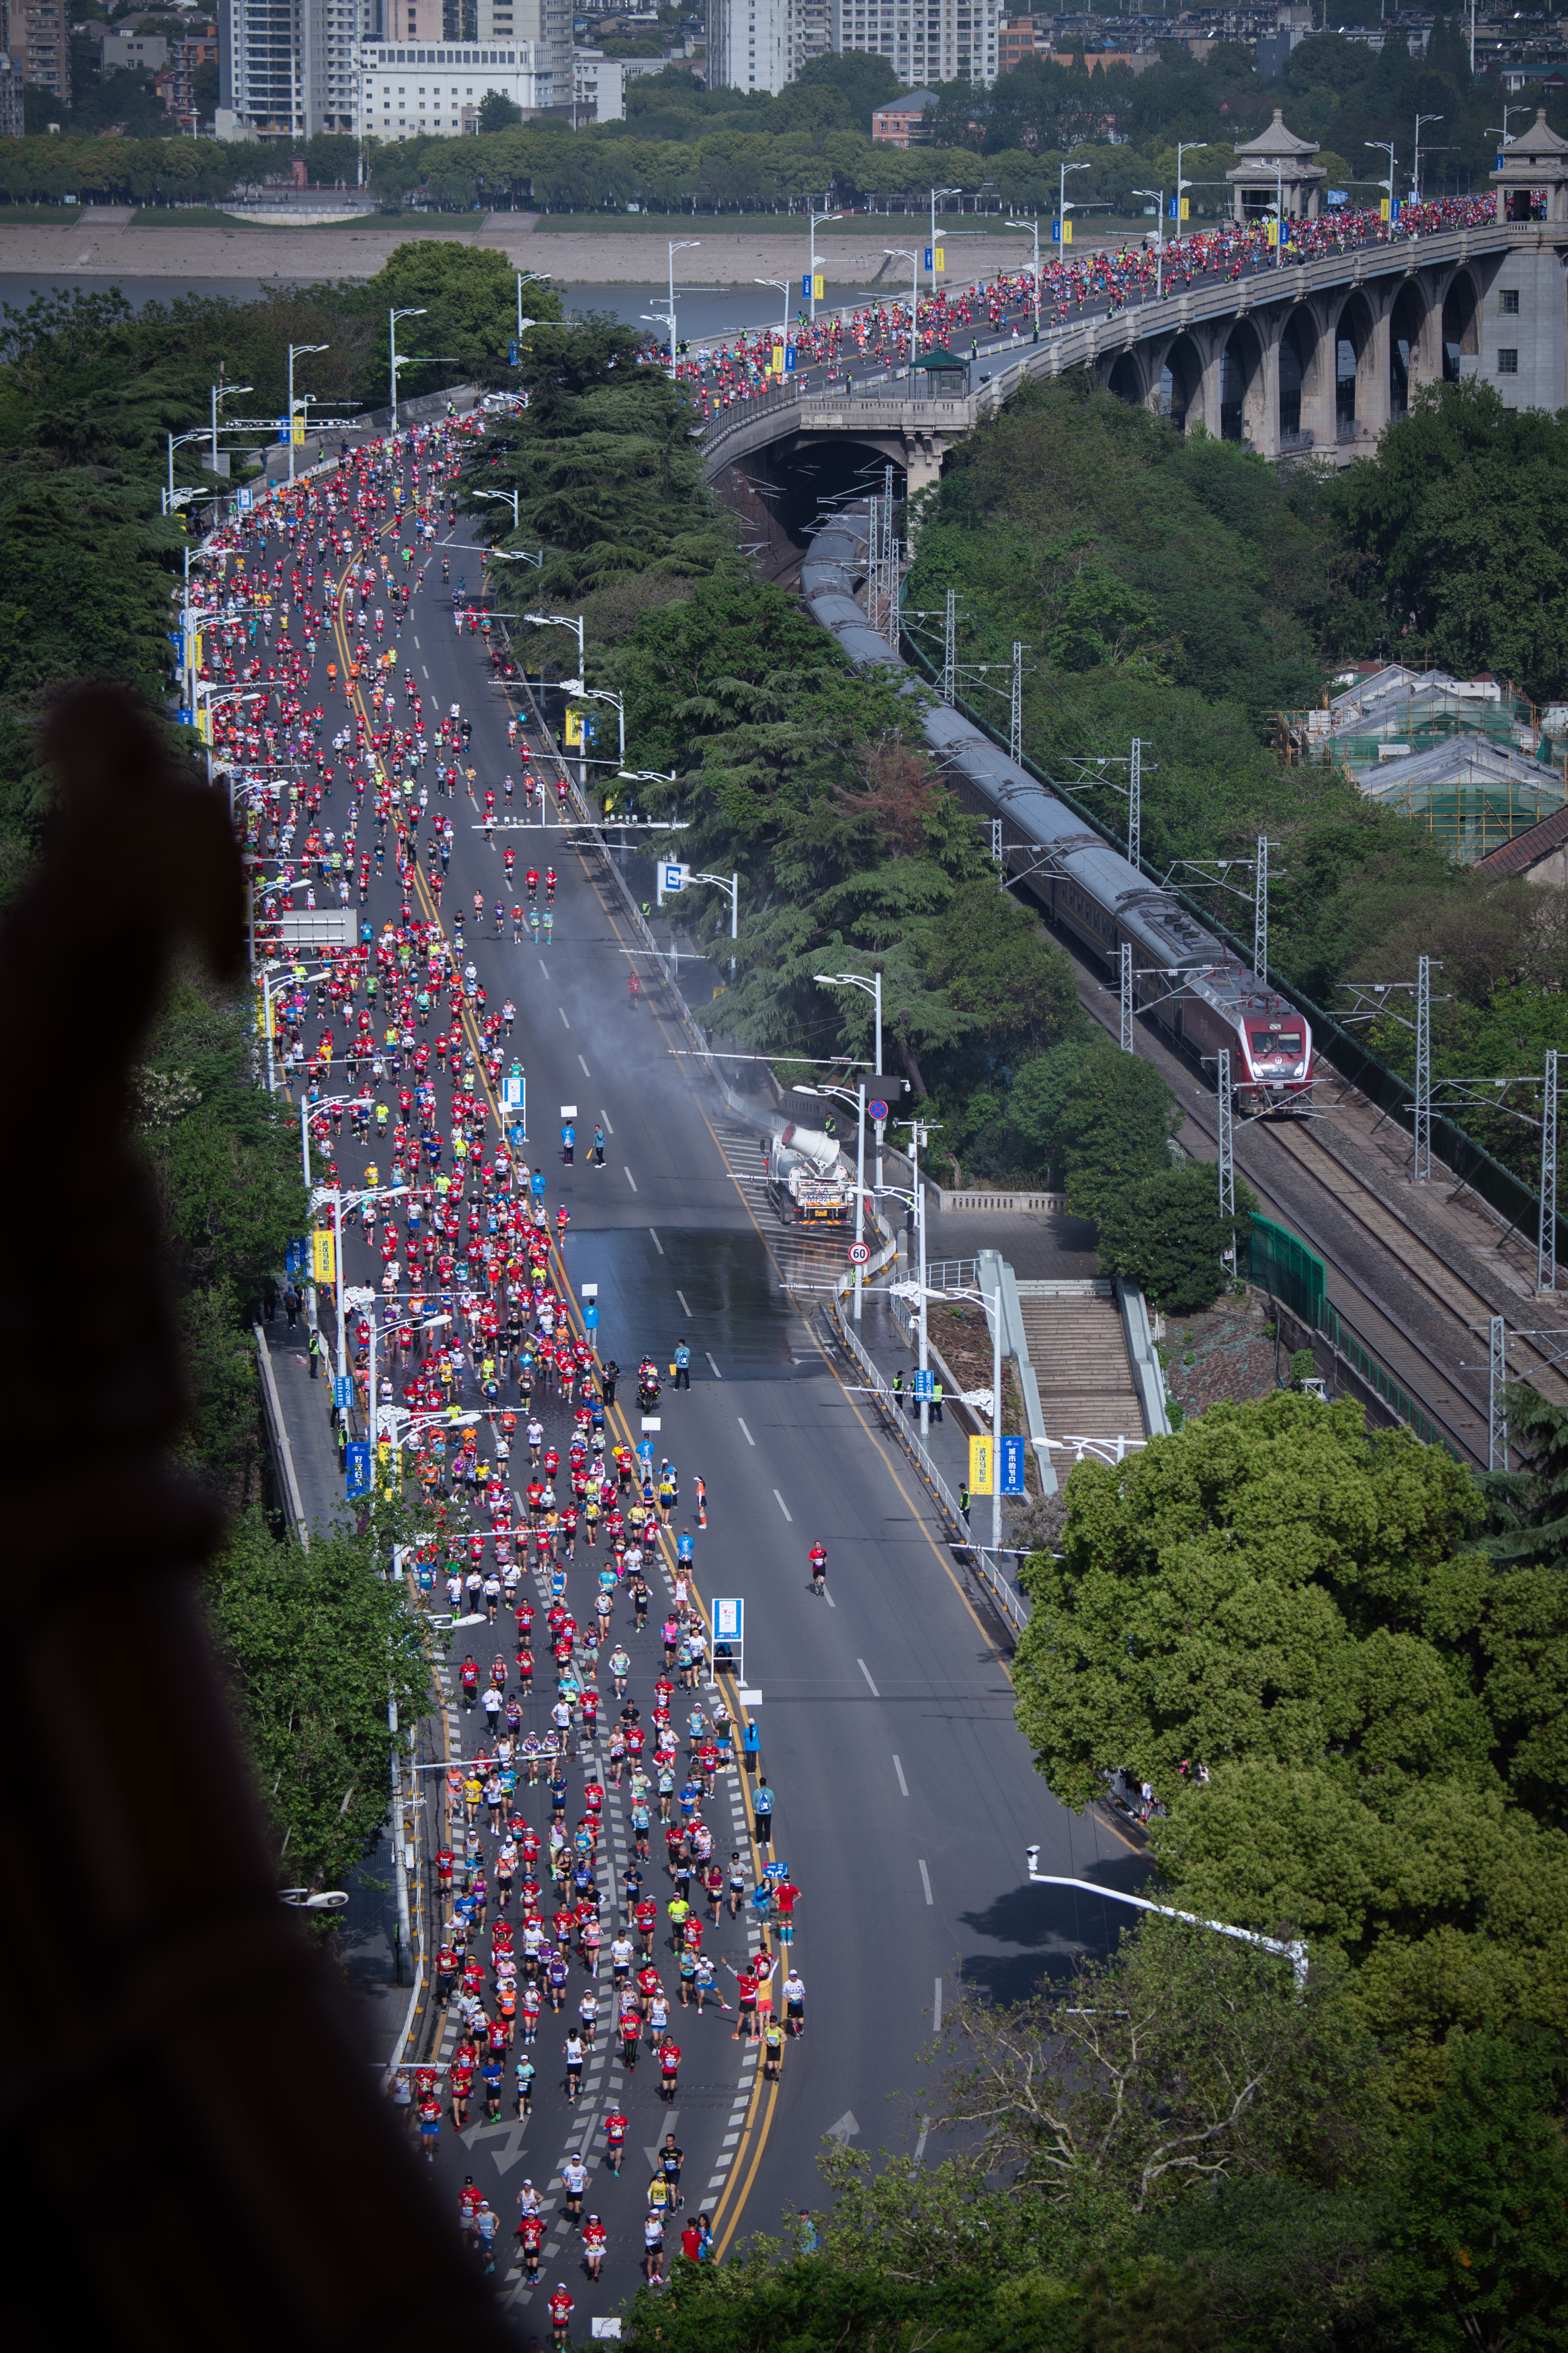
1013,1466
877,1110
775,1871
359,1466
924,1386
294,1257
342,1391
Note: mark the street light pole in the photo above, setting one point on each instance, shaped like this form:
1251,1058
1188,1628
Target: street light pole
392,319
818,220
935,194
1416,169
297,351
1034,225
902,253
684,245
1159,195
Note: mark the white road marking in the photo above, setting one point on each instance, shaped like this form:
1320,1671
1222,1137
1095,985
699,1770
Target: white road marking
745,1432
874,1693
828,1598
605,1117
900,1771
416,645
936,2010
780,1500
682,1297
925,1882
561,1010
583,1066
921,2144
717,1374
657,1243
632,1181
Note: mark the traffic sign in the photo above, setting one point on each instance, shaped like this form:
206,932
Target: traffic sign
775,1871
859,1253
342,1391
924,1386
729,1618
1013,1466
568,1111
673,876
877,1110
358,1458
652,1421
318,927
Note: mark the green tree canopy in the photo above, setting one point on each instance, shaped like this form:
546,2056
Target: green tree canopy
1169,1236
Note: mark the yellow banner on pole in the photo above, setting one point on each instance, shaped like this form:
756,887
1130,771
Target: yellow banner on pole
982,1467
323,1255
818,286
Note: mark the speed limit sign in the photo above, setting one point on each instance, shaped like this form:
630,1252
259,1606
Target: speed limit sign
859,1253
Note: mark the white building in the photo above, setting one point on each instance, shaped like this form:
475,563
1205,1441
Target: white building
924,41
390,68
598,87
750,45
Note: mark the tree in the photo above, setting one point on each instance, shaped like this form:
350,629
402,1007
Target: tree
316,1643
498,112
1186,2060
1281,1598
1169,1236
1480,2253
469,296
865,81
1097,1119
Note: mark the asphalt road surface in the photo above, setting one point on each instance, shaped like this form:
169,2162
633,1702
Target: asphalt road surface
905,1795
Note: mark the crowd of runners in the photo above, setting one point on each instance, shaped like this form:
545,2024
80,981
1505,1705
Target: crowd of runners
1106,278
556,1544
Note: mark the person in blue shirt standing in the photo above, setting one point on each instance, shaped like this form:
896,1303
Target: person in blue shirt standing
598,1147
682,1366
568,1142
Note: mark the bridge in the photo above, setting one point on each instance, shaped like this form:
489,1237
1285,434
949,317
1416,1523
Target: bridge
1314,356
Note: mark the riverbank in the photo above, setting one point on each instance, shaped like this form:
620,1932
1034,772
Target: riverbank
109,242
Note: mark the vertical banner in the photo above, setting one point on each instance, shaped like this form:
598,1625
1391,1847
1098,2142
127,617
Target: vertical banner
981,1468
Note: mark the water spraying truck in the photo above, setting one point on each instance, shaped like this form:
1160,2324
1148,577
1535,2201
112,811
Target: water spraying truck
809,1181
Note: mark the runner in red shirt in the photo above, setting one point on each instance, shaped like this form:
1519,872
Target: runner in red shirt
668,2067
561,2308
595,2238
530,2232
647,1919
615,2127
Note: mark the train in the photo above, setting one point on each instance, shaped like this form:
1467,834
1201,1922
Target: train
1189,983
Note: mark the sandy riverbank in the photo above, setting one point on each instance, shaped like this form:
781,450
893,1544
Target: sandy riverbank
106,243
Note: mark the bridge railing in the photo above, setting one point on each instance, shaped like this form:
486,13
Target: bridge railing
1082,344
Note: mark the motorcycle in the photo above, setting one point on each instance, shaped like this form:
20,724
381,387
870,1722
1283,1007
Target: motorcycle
647,1393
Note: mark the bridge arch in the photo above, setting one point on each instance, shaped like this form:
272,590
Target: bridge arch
1461,323
1179,385
1300,368
1241,385
1406,322
1126,379
1355,404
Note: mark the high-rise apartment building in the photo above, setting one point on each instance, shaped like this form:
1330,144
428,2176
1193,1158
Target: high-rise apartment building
924,41
38,39
392,67
750,45
762,44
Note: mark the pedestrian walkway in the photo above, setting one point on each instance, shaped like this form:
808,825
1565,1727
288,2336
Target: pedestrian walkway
305,1406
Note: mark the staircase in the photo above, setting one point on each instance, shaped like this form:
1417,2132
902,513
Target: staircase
1078,1349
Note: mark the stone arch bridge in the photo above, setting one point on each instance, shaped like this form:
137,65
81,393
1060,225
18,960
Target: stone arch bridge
1317,356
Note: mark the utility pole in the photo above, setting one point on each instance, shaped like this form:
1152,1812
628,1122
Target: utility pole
1421,1169
950,649
871,620
1546,1247
1261,909
1497,1409
1135,807
1125,1040
1226,1147
1016,723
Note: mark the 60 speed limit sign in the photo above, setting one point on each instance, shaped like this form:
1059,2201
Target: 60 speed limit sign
859,1253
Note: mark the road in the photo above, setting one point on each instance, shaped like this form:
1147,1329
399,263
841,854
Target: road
905,1795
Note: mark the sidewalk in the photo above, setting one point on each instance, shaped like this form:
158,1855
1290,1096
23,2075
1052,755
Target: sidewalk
306,1406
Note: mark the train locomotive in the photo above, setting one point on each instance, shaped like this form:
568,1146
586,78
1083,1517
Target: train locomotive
1190,984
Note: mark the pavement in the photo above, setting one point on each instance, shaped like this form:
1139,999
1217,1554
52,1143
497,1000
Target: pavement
906,1796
